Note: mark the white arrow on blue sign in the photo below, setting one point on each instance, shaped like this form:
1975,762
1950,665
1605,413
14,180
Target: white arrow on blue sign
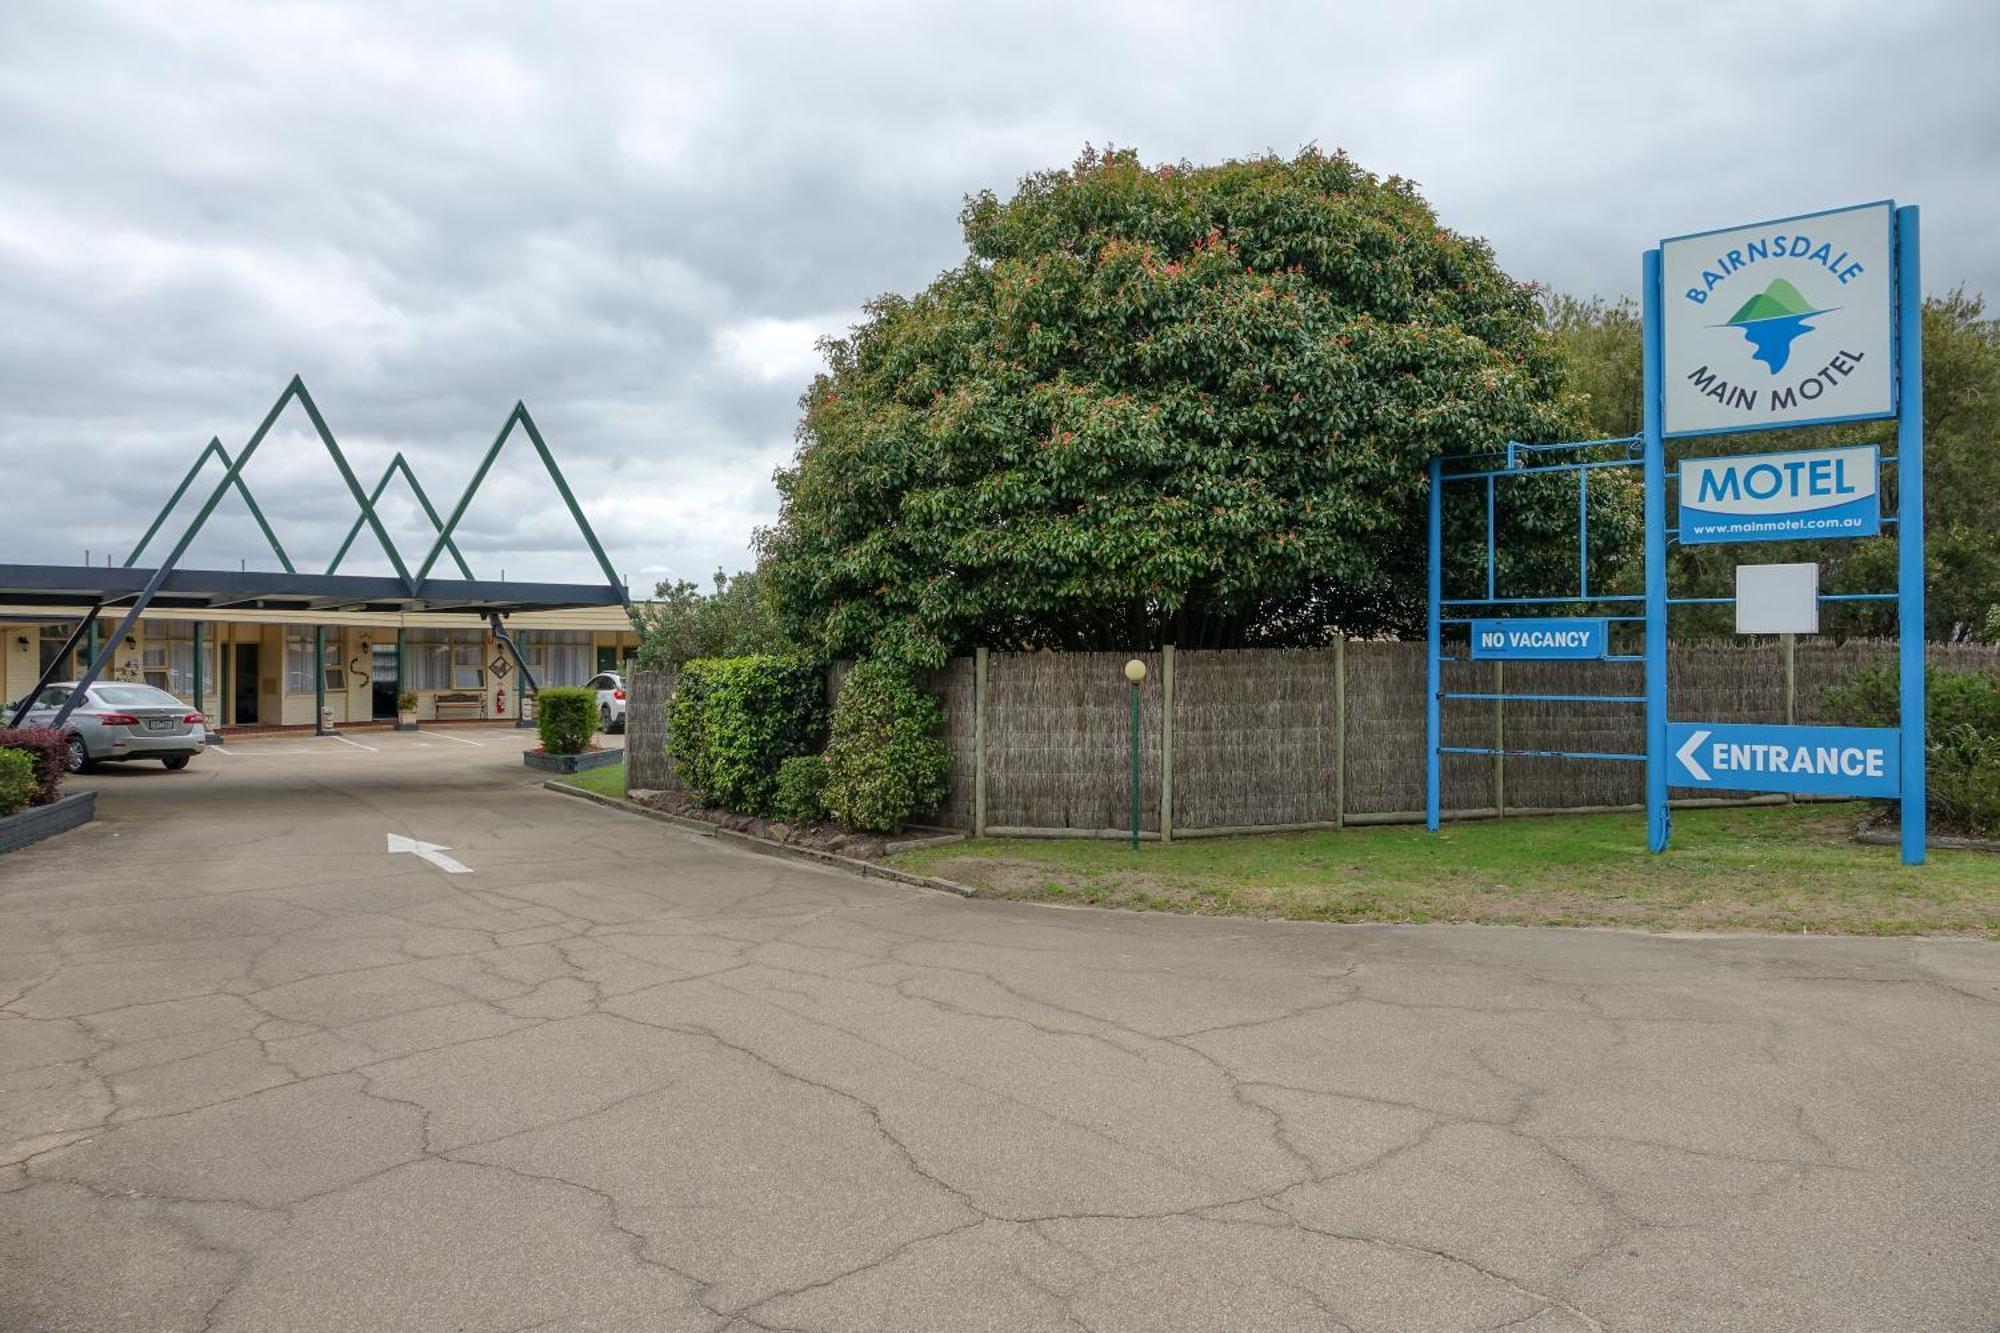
1817,761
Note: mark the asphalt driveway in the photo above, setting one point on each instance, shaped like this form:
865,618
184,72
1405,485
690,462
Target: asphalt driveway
259,1073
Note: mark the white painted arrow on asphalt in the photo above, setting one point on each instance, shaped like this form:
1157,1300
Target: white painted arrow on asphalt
1686,754
430,851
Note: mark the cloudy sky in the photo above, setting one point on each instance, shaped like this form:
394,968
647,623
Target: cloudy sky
638,218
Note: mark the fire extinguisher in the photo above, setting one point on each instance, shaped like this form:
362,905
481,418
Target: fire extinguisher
500,701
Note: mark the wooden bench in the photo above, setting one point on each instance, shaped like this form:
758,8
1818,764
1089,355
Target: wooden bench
465,704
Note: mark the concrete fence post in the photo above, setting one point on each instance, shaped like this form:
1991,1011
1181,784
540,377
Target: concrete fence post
978,742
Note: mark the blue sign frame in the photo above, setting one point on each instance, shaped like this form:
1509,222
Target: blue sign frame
1903,781
1907,302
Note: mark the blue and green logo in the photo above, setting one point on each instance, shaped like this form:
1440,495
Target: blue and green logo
1772,320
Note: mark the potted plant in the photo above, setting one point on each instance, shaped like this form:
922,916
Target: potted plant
566,717
406,711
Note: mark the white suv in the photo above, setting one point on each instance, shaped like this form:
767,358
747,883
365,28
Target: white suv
610,687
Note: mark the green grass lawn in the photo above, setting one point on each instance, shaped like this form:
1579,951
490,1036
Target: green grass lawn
1785,868
606,781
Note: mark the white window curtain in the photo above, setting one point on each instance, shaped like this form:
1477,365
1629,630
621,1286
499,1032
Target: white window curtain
445,659
557,656
299,655
166,661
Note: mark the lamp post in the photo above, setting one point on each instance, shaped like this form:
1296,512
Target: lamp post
1135,671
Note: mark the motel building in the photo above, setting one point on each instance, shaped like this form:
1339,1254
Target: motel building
254,669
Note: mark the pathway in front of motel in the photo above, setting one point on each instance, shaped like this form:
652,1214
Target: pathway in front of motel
258,1073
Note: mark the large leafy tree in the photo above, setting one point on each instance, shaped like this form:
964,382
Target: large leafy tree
1600,347
1172,404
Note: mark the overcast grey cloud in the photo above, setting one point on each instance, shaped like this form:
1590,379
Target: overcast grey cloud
638,218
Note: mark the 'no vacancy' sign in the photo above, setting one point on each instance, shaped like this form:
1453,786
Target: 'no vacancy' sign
1779,324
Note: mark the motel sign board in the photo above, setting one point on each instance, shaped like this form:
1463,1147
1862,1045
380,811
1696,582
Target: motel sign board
1781,497
1820,761
1537,639
1779,324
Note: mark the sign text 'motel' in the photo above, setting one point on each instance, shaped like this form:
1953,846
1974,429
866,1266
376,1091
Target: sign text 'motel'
1540,638
1781,497
1779,324
1819,761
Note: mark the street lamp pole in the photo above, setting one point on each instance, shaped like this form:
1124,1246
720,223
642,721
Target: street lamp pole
1135,671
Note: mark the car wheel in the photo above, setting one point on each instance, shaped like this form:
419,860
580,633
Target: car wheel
79,757
174,763
604,717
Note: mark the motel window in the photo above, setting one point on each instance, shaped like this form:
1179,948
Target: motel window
445,659
298,660
52,639
166,659
557,656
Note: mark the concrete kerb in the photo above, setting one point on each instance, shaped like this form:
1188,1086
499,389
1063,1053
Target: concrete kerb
851,864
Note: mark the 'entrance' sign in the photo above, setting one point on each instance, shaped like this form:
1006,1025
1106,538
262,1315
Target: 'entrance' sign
1779,324
1820,761
1539,639
1781,497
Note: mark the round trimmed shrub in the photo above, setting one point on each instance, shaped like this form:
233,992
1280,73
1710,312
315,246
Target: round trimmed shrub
802,789
566,717
886,760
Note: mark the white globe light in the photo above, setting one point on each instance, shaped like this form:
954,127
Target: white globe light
1135,671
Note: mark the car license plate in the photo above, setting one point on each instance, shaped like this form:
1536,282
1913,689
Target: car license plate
159,724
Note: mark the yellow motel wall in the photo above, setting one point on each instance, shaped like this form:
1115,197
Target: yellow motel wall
356,635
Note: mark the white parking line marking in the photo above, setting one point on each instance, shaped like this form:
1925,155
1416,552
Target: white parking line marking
356,744
460,739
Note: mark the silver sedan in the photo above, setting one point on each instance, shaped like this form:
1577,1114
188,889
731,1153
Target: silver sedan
117,721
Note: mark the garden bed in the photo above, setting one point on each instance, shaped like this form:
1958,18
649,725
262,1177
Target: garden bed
573,763
45,821
818,837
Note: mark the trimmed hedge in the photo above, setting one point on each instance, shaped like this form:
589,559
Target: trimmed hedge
1962,717
736,720
802,789
566,717
49,750
886,760
17,780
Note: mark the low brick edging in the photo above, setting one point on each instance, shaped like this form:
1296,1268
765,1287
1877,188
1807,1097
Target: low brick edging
45,821
851,864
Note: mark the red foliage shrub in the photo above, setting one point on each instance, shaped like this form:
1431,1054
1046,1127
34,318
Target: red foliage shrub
50,749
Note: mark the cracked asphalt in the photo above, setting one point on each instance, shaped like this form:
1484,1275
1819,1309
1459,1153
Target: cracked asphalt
257,1074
